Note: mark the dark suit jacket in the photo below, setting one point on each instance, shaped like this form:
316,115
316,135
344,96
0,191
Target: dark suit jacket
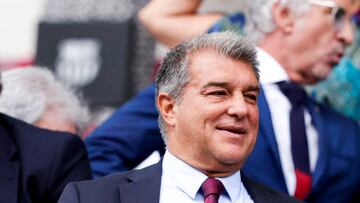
36,164
139,186
131,134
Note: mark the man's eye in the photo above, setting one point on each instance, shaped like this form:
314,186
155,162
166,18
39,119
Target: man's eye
252,97
217,93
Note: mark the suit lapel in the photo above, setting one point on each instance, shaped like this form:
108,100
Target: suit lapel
142,187
256,192
252,190
9,170
317,121
266,127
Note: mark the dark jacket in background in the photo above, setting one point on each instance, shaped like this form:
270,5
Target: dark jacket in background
36,164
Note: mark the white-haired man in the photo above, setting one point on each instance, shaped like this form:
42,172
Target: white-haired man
36,164
35,96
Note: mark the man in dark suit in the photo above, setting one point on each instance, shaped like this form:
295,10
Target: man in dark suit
291,42
206,93
36,164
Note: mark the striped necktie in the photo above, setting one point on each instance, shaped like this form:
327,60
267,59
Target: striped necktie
299,145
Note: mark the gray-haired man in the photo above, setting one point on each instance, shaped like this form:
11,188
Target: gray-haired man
207,91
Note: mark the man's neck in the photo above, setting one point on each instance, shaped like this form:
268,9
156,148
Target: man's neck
282,54
209,169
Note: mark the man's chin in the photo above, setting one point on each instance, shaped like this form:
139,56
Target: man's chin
320,73
231,159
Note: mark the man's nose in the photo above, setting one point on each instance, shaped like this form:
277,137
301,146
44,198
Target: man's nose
238,107
347,33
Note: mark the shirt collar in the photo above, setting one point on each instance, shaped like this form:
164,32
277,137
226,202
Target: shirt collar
232,185
191,179
271,71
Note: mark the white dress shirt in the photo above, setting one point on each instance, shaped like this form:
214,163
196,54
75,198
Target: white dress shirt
181,183
270,73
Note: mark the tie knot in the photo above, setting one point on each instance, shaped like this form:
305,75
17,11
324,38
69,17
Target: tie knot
294,92
212,186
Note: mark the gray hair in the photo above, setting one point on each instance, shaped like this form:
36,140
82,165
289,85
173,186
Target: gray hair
28,92
173,75
259,19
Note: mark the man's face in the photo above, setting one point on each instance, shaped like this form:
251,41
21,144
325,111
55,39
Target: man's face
216,121
319,42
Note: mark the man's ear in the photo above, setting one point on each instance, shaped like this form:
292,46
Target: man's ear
283,18
167,108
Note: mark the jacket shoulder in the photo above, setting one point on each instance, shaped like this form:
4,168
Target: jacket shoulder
28,137
263,194
61,157
106,189
99,190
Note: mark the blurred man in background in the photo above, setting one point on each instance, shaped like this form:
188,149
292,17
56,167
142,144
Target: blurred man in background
34,95
36,164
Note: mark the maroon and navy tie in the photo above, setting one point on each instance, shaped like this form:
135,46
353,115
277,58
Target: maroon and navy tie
299,145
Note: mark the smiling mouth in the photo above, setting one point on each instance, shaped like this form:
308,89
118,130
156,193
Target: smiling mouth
234,130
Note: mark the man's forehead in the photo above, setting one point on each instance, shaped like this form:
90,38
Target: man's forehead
351,1
357,2
350,6
354,3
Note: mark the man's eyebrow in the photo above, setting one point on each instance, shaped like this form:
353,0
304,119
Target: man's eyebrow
216,84
253,89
